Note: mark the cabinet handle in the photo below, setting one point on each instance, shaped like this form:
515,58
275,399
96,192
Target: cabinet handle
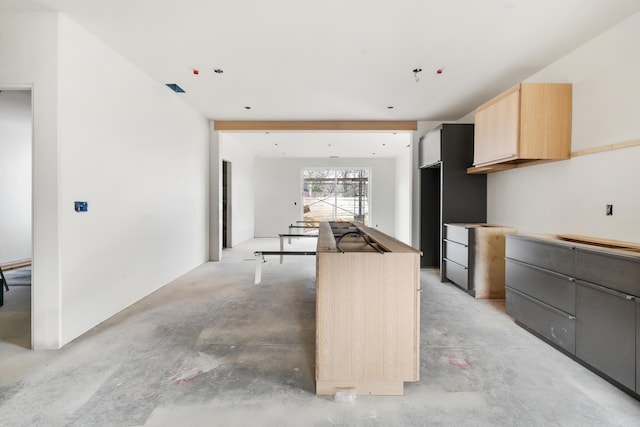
457,243
605,290
543,270
456,263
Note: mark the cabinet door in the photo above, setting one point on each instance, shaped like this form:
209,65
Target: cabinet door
497,130
606,331
431,148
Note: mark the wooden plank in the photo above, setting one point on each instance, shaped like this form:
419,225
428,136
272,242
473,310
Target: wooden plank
310,126
607,243
15,264
608,147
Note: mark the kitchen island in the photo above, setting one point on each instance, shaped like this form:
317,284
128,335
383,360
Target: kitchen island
367,311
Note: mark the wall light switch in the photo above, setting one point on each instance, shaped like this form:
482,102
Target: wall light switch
80,206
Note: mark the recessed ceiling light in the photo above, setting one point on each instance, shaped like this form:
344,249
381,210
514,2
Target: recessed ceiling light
218,71
390,107
384,145
276,144
247,107
373,154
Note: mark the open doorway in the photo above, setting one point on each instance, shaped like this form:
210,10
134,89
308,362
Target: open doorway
16,124
226,204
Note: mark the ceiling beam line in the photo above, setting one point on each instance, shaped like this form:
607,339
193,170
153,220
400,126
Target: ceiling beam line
311,126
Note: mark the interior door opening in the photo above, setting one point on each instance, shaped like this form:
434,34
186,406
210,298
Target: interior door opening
430,229
16,248
226,204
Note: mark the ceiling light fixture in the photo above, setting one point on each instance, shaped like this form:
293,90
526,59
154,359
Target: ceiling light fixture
247,107
218,71
390,107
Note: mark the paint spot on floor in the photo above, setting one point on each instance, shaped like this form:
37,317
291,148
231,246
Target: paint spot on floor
459,362
185,376
193,367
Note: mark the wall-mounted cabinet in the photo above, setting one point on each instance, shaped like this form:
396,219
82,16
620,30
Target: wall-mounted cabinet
529,122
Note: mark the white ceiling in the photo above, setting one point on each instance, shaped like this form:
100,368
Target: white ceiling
340,59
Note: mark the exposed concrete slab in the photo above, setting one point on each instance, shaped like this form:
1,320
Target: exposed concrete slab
213,349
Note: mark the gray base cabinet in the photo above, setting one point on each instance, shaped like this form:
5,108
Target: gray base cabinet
606,332
580,298
638,346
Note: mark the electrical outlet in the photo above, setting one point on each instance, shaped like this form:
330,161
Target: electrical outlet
609,210
80,206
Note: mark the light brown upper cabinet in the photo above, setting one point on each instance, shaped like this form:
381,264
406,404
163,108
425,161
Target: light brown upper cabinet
529,122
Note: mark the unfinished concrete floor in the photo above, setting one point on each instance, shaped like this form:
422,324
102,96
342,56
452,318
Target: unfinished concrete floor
213,349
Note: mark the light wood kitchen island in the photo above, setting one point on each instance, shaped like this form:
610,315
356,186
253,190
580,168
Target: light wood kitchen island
367,311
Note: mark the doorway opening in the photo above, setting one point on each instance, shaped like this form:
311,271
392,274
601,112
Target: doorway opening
226,204
16,165
430,239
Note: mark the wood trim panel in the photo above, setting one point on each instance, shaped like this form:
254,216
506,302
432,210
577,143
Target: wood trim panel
303,125
608,147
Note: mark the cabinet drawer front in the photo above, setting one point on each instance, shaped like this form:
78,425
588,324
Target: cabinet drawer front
457,274
557,327
616,272
456,252
456,233
551,288
550,256
606,331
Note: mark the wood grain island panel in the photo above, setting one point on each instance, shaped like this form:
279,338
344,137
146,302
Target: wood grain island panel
367,312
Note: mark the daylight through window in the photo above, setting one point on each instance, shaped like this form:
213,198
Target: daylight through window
336,195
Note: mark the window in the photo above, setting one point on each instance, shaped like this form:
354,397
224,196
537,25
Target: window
336,195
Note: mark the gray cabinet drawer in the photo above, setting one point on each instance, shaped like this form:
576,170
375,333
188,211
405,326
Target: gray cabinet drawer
554,325
548,255
551,288
606,332
456,252
615,272
456,233
457,273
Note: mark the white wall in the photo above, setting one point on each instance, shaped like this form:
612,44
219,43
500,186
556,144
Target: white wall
278,191
139,156
403,192
242,188
32,63
15,175
106,133
570,196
